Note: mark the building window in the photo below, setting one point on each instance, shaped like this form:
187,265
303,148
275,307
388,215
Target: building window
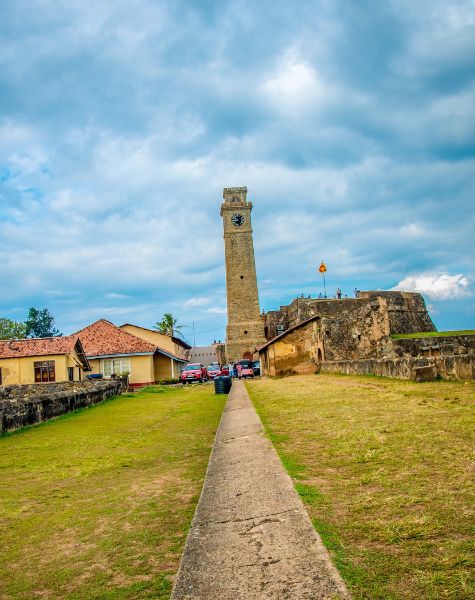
70,373
115,366
44,371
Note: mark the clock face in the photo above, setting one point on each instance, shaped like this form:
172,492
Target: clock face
237,220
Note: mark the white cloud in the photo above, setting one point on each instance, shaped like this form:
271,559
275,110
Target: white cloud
295,84
437,286
116,296
411,230
216,310
194,302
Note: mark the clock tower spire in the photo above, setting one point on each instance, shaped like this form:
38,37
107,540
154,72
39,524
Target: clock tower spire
245,329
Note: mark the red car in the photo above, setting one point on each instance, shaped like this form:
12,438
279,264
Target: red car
225,370
194,372
213,371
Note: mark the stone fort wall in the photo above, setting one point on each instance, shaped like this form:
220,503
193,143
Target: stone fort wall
451,367
353,336
401,312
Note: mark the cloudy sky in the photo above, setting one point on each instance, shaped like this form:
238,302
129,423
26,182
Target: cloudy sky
352,123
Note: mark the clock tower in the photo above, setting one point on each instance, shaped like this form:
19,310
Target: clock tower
245,329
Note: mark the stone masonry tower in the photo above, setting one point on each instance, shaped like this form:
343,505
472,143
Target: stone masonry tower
245,329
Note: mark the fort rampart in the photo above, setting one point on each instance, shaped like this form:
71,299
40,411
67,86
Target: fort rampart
22,405
460,367
360,336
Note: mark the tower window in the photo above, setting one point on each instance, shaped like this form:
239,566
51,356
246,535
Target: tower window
245,333
242,276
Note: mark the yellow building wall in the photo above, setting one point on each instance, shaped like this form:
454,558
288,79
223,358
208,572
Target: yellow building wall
163,367
158,339
20,371
297,351
154,337
141,368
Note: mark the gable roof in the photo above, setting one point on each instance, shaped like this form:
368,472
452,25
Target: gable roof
103,338
181,342
282,335
177,340
43,347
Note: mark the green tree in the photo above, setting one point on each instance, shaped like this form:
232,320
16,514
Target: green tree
168,325
40,324
10,330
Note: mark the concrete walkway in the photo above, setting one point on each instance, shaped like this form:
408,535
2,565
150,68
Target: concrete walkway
251,537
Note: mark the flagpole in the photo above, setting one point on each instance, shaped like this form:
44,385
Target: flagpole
322,268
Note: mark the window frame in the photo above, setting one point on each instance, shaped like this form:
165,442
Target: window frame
44,371
117,365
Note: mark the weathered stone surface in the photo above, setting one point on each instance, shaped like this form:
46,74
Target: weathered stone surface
432,346
251,537
401,312
245,329
427,373
460,367
339,332
407,312
22,405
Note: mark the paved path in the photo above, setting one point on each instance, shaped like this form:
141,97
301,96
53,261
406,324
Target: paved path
251,537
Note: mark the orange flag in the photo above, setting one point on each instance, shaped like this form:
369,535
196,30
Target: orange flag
322,267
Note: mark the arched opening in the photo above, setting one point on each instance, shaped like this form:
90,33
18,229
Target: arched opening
247,355
319,355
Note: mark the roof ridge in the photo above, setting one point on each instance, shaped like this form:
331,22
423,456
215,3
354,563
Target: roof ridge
51,337
93,323
142,327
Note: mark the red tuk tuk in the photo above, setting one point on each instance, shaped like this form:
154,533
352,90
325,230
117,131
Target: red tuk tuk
244,369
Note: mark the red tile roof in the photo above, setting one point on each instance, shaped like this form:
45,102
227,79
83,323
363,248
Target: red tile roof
103,338
37,346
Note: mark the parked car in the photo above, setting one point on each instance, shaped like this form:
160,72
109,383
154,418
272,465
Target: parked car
213,370
244,369
225,370
194,372
256,367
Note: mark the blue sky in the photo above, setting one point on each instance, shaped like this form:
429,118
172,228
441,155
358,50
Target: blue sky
352,123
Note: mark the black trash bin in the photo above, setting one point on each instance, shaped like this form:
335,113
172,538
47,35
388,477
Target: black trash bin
222,384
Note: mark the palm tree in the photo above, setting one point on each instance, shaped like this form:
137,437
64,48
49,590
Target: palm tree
168,325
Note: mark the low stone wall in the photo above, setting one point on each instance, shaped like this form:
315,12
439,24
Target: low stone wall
447,367
447,345
22,405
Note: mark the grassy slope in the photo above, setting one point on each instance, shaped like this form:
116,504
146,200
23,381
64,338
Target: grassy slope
97,504
424,334
384,469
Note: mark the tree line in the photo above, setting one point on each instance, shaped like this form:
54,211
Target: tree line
38,324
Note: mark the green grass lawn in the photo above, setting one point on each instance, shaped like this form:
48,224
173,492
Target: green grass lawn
424,334
385,468
97,503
